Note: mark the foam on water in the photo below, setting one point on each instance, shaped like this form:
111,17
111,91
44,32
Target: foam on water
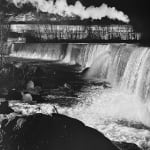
43,51
103,110
125,66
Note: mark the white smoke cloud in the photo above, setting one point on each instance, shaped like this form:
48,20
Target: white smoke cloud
61,7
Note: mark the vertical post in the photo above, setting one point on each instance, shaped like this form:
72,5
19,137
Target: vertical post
4,30
1,44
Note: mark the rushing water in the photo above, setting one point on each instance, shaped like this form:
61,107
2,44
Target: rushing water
125,66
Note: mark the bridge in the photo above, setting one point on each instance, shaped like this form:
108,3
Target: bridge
76,33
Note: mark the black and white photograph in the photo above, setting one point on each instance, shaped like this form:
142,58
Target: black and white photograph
74,75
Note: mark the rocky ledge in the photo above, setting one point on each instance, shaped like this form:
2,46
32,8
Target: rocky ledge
52,131
55,132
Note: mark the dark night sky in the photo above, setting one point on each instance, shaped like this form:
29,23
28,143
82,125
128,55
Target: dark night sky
137,10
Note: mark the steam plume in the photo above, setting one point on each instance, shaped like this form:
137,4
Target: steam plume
61,7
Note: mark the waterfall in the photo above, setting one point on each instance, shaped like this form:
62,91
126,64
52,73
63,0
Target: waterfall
44,51
72,53
125,66
137,73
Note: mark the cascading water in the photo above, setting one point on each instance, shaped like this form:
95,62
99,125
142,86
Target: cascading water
82,54
73,52
44,51
125,66
136,76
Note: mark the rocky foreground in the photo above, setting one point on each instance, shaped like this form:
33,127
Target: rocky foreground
43,132
26,125
51,132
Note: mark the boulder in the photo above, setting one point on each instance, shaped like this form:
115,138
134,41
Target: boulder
14,94
55,132
127,146
35,91
84,71
27,97
30,85
103,84
38,98
4,108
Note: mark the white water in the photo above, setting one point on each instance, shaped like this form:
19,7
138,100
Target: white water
41,51
83,54
125,66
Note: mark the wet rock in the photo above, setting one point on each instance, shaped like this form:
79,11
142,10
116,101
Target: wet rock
14,94
105,84
38,98
18,64
4,108
126,146
35,91
4,72
55,132
67,86
84,72
30,85
27,97
38,89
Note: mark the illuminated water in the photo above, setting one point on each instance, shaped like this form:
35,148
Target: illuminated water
125,67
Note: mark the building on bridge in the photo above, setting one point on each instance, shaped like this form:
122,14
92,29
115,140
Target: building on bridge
64,32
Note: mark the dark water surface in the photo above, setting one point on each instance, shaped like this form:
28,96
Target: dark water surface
59,82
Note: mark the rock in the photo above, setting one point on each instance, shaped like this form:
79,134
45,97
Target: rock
30,85
4,72
27,97
35,94
67,86
14,94
55,132
38,98
105,84
18,64
84,72
35,91
4,108
126,146
38,89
